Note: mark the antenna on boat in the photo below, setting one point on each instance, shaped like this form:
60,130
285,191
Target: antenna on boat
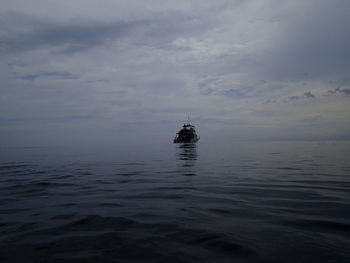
188,118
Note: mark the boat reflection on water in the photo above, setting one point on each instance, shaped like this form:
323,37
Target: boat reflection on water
187,154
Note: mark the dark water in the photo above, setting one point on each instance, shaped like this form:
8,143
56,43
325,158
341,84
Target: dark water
235,202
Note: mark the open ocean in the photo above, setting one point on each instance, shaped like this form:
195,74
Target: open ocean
228,202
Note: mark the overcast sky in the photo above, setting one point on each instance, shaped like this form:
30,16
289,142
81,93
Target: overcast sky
111,70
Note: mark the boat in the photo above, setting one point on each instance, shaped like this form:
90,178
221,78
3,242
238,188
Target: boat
187,134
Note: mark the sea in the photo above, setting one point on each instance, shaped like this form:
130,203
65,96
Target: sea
283,201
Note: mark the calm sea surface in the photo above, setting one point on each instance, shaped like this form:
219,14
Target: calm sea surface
233,202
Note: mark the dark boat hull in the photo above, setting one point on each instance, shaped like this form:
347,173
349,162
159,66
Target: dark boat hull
186,135
178,140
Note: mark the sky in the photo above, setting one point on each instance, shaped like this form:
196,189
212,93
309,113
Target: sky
108,70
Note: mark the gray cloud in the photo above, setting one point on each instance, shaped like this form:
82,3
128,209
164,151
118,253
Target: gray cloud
54,75
66,38
313,43
307,95
79,35
339,90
